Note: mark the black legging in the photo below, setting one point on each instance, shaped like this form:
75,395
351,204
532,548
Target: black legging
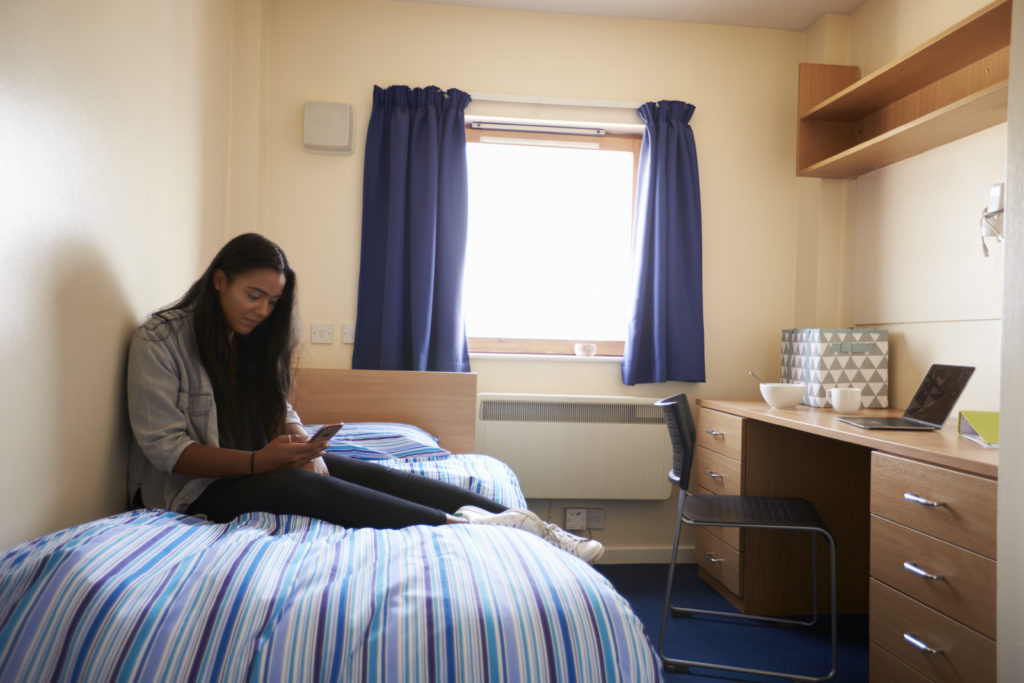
357,494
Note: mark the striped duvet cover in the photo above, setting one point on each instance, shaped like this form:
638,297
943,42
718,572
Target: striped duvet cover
481,474
152,595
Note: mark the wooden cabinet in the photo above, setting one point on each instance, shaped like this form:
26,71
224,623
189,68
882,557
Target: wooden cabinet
763,571
720,432
948,88
718,469
957,653
933,569
889,546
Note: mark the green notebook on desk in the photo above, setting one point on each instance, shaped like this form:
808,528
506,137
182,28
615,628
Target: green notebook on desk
981,426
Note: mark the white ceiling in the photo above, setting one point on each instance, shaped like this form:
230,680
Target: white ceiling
791,15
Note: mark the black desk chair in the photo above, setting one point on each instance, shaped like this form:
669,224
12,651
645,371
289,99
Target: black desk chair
751,512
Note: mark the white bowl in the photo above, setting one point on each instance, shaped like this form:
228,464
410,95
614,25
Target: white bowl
780,395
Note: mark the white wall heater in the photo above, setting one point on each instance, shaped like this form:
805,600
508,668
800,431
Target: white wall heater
588,447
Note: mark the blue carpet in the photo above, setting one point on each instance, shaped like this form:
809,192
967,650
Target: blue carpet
801,650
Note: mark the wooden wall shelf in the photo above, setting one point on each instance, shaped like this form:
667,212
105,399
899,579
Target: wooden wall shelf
950,87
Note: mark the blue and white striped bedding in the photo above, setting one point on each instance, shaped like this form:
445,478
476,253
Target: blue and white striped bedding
481,474
152,595
382,441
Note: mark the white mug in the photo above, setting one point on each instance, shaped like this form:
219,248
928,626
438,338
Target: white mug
844,399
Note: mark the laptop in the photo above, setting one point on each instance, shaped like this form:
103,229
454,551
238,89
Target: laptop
931,405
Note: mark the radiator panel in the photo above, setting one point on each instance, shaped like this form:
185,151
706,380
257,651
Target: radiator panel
584,447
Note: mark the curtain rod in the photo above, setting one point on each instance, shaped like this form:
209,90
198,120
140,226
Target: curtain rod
560,101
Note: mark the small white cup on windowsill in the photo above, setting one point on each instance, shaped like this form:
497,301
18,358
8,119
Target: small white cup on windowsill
585,350
844,400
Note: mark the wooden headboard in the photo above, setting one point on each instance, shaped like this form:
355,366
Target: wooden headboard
442,403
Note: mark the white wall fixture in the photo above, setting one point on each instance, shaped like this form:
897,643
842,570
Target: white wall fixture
578,447
322,333
327,127
992,216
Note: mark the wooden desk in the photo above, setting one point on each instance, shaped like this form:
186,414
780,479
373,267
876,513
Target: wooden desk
857,479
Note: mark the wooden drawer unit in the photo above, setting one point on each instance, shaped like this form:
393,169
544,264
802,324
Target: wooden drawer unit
950,579
933,569
718,469
956,507
913,515
957,652
716,473
720,432
884,668
719,559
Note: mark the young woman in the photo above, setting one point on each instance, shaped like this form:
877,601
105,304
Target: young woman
215,436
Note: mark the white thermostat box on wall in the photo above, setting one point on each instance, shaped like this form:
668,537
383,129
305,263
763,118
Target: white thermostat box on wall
327,127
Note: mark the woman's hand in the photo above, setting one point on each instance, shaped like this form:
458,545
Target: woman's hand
288,450
316,465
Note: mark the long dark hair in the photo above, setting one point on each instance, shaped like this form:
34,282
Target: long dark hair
262,363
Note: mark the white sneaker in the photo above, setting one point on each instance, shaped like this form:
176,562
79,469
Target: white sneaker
513,517
587,549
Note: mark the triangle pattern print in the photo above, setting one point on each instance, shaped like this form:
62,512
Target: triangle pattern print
826,358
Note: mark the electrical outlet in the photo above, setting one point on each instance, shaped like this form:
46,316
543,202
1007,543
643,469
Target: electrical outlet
575,519
595,518
323,333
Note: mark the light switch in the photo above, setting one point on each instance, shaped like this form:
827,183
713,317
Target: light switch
323,333
348,333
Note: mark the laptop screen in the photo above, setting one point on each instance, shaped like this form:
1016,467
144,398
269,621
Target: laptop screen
938,392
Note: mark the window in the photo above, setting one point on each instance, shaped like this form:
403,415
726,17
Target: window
549,253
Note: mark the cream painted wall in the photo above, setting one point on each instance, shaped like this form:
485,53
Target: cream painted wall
823,220
746,175
113,125
742,81
903,241
135,131
884,30
779,251
913,258
827,41
919,270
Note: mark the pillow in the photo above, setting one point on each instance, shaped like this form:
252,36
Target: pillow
382,441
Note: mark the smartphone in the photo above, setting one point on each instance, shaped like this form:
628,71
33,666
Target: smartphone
326,432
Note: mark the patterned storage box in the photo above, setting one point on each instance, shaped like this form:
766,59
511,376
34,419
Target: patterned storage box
845,358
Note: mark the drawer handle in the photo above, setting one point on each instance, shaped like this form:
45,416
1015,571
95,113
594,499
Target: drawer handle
715,433
713,475
712,559
914,569
913,498
920,644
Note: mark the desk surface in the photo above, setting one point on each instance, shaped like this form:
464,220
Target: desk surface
943,447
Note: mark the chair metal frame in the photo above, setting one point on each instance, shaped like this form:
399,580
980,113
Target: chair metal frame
745,512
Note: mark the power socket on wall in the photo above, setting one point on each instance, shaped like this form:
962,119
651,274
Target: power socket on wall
575,519
578,519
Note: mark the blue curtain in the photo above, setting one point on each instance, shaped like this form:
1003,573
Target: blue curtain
665,340
415,205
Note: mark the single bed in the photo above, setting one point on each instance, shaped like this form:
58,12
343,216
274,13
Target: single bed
150,595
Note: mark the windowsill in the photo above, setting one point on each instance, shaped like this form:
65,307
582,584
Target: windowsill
543,357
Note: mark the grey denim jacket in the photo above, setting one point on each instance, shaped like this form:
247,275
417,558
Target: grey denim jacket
170,406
